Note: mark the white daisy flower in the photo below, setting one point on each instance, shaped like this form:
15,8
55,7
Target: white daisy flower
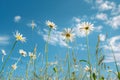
23,53
19,37
51,24
14,66
86,27
33,24
32,56
68,34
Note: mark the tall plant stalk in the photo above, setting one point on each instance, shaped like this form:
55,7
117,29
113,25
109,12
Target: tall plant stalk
46,53
88,51
115,63
97,58
68,57
8,57
34,52
12,70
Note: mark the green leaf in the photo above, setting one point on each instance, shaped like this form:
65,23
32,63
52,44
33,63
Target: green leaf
119,75
55,69
94,76
102,78
84,61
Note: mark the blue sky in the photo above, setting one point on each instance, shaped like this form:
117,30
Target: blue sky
18,15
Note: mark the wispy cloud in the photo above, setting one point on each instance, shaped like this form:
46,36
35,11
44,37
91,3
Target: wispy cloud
76,19
109,12
114,22
101,16
113,44
4,40
102,37
98,28
109,58
17,18
105,5
55,38
116,10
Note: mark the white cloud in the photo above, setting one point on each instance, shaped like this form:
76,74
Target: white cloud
76,19
105,5
116,11
17,18
55,38
98,28
102,37
4,40
113,44
114,22
110,58
101,16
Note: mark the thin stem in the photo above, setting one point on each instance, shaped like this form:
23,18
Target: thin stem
27,68
97,58
10,74
12,70
88,51
115,60
34,52
68,56
4,64
46,52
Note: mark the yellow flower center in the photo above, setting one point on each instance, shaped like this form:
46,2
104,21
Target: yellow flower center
67,35
19,37
22,53
86,28
51,26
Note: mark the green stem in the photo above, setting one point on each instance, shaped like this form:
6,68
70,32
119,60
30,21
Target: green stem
68,56
46,52
18,60
115,60
27,69
97,58
88,51
34,52
4,64
11,71
10,74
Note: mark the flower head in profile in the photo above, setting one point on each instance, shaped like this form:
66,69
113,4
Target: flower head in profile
23,53
68,34
87,69
32,56
86,27
33,25
19,37
51,24
3,52
14,66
